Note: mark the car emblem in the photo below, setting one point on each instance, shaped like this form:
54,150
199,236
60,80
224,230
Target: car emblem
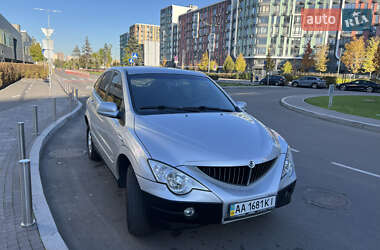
251,164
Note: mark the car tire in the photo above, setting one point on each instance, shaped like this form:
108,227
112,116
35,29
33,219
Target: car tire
137,213
277,84
314,86
343,87
91,149
369,89
295,84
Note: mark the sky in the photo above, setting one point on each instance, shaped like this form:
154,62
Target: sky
102,21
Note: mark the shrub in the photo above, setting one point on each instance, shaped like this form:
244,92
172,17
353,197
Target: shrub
330,80
12,72
289,77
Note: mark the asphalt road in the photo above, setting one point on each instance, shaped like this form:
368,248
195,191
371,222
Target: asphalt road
332,208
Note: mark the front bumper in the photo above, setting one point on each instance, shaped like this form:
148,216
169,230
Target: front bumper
205,212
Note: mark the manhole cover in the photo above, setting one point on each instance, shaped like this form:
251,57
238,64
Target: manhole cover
325,198
67,153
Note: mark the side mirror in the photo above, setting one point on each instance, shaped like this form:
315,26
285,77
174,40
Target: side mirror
242,105
108,109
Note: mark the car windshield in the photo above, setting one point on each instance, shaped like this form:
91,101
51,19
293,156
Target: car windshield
174,93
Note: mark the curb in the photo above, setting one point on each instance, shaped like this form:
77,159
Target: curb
47,228
348,122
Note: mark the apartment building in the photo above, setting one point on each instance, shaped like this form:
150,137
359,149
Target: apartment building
123,44
169,31
144,32
257,27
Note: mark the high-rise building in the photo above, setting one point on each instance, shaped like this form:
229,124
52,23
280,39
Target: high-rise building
123,44
256,27
169,31
145,32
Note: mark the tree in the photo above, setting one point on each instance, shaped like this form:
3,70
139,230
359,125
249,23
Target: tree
228,64
377,60
353,56
133,47
269,63
240,64
213,65
86,53
203,64
36,52
76,52
307,61
369,64
321,58
287,68
164,61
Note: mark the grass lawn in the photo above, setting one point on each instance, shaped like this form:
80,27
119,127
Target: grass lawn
366,106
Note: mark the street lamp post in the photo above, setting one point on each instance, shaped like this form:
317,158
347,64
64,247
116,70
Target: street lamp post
211,46
48,32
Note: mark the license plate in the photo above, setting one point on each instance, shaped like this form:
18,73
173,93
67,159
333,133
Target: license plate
253,206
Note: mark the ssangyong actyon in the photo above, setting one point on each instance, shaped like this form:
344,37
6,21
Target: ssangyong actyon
184,149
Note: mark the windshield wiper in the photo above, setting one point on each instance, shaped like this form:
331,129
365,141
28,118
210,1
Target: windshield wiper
204,108
163,107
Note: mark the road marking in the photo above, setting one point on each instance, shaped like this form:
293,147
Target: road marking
294,150
355,169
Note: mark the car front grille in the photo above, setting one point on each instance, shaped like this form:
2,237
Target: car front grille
239,175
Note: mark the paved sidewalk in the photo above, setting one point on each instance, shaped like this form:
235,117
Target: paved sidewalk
16,103
297,103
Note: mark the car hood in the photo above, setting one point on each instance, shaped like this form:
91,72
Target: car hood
206,139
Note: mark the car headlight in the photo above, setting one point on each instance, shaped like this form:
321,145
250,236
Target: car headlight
175,180
288,165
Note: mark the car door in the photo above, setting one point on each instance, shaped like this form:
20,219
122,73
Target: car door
354,85
92,102
100,128
113,126
363,85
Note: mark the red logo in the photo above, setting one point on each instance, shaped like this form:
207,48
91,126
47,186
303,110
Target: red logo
320,19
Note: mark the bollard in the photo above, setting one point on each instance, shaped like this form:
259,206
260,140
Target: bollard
55,108
35,119
26,194
21,140
76,94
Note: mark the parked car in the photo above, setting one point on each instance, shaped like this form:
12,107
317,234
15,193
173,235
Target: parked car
184,149
360,85
273,80
309,81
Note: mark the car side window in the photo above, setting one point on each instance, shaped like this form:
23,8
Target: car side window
104,85
115,93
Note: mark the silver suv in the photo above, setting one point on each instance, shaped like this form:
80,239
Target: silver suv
184,150
309,81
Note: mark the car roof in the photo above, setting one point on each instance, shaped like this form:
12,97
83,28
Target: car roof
134,70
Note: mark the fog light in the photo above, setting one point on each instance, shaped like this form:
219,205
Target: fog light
188,212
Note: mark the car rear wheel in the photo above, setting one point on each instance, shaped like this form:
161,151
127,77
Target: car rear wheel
277,83
137,213
343,87
91,149
314,86
369,89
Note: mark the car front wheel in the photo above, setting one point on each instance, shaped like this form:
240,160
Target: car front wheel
343,87
295,84
137,213
91,149
314,86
